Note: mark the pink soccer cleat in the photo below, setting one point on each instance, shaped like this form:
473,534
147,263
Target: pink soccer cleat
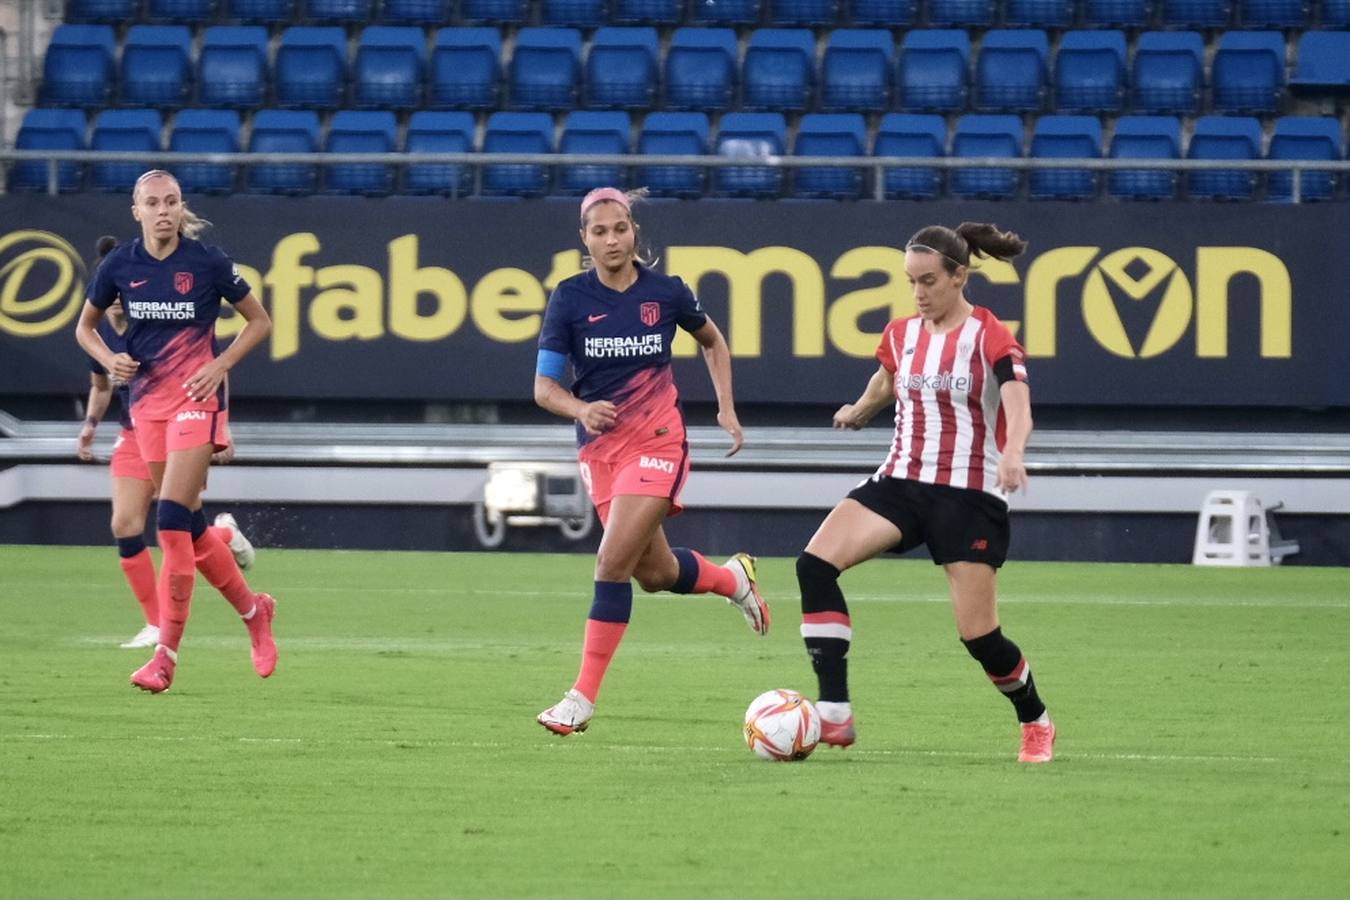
1038,743
838,734
264,648
156,675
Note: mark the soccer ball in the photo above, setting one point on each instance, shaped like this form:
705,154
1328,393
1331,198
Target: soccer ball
782,725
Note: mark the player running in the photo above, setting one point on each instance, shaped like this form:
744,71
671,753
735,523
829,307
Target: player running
957,378
170,286
615,323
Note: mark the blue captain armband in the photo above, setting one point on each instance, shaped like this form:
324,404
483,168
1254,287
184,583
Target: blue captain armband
550,364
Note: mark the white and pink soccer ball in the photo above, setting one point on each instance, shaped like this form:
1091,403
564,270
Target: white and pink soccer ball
782,725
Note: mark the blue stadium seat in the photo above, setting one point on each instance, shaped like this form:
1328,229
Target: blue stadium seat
593,132
390,62
283,131
573,13
855,72
311,67
983,135
621,69
1224,137
361,131
232,67
1011,73
205,131
1274,13
1090,72
466,68
1196,13
125,131
829,134
1304,137
724,12
1039,13
934,71
701,68
961,13
157,65
907,134
1168,72
673,134
49,129
646,12
780,69
815,13
338,12
113,12
495,12
751,135
1065,137
439,132
1248,74
517,132
1135,14
883,13
1145,137
261,12
1323,61
78,69
189,11
1335,14
546,68
416,12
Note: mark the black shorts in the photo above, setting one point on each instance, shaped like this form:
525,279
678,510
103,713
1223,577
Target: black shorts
957,524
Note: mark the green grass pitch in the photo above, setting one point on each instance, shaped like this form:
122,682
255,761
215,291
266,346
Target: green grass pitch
1204,731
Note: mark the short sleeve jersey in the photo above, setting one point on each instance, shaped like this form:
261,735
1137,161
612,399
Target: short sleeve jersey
949,425
117,343
171,307
619,345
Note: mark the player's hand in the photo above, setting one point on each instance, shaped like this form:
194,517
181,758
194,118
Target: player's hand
597,417
84,448
1012,472
123,367
848,416
205,383
222,457
732,426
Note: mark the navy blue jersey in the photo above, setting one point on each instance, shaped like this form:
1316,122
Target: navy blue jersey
171,306
117,343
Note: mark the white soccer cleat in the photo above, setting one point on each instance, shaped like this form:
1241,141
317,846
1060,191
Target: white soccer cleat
747,597
572,713
243,551
146,637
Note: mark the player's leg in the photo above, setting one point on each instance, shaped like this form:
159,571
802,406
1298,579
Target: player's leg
850,534
681,570
216,561
974,601
131,499
227,530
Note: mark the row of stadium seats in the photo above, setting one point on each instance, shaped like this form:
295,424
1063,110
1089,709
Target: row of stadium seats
821,13
859,69
743,134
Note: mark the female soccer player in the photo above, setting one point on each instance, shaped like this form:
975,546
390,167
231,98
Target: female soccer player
957,378
615,323
170,286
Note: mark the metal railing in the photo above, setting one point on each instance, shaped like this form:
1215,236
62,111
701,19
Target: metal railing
875,165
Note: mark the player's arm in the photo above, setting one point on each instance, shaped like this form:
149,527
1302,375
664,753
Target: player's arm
549,394
100,395
878,395
257,326
1016,399
717,357
120,365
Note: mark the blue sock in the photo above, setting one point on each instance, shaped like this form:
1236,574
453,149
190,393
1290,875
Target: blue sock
613,601
129,547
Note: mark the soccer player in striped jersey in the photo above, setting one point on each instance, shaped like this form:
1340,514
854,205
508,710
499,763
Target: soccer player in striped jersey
958,380
615,323
170,286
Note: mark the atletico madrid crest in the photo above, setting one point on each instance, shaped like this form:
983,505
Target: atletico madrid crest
182,282
650,313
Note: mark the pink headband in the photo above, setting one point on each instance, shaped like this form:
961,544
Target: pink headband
600,195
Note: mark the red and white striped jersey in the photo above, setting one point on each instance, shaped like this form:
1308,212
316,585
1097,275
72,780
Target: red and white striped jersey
949,426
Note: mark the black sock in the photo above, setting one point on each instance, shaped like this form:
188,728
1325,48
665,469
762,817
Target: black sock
826,628
1008,670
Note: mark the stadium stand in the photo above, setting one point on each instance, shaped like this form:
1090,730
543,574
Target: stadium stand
1224,137
884,13
284,131
751,135
1323,61
232,66
987,136
338,12
701,69
586,131
809,13
907,134
49,129
1065,137
674,134
432,131
622,67
1248,72
466,69
311,67
545,69
647,12
855,72
830,134
360,131
934,71
1304,137
779,69
135,130
265,12
205,131
415,12
389,67
104,11
1010,74
517,132
1090,72
157,65
1145,137
1169,72
180,11
78,69
573,13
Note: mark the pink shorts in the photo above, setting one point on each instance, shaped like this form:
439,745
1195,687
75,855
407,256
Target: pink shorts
189,427
653,472
126,457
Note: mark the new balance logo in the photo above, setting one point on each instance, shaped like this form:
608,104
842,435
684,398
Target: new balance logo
594,319
979,544
660,465
142,283
192,415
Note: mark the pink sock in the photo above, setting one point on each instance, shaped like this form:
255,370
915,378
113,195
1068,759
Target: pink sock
713,578
175,586
140,572
602,640
216,562
224,534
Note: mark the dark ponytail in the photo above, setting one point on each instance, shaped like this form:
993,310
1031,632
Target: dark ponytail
985,239
956,247
105,245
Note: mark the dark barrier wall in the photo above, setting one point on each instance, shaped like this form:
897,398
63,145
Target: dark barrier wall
419,298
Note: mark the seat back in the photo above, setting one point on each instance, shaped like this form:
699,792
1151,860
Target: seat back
751,135
673,134
701,68
1090,72
517,132
78,67
439,132
205,131
906,134
466,68
987,135
545,68
621,69
232,67
779,70
311,67
855,72
389,69
1145,137
934,70
283,131
1011,73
